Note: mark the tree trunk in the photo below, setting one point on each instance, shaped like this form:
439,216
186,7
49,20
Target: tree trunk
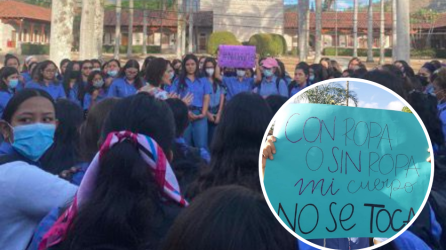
144,29
61,40
99,27
382,37
118,29
403,30
301,32
130,40
318,36
355,29
370,33
180,38
191,26
394,31
307,29
92,29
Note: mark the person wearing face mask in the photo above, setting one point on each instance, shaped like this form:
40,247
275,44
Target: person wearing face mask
217,97
45,79
9,79
29,124
158,73
71,79
237,84
96,65
270,84
425,74
95,91
128,81
301,75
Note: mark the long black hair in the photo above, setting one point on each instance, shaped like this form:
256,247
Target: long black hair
182,85
90,88
320,73
5,73
67,76
19,98
65,152
9,57
228,218
41,68
132,64
66,60
155,70
236,144
125,208
216,82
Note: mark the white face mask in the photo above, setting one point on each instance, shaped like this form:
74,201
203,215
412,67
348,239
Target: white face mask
241,73
210,72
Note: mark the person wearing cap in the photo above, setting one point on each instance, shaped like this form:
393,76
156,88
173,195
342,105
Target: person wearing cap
270,84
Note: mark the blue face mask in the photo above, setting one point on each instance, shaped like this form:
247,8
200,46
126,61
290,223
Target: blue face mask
13,83
33,140
113,73
172,75
268,72
311,78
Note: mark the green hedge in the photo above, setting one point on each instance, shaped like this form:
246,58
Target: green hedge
221,38
137,49
420,53
35,49
349,52
269,44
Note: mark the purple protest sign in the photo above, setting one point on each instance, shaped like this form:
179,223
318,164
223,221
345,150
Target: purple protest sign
236,56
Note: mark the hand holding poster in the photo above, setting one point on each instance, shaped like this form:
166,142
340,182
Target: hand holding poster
347,172
236,56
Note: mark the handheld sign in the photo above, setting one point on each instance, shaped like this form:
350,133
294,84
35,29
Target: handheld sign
236,56
347,172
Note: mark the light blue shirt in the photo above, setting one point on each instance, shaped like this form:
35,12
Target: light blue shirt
27,195
442,116
296,89
121,88
199,88
234,86
215,96
87,99
56,90
5,96
268,88
73,94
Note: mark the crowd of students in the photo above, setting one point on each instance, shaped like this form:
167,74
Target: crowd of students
97,155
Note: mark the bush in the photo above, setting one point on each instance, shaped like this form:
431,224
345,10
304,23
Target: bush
420,53
35,49
330,51
295,51
137,49
221,38
269,44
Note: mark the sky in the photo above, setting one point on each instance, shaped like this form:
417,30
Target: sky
370,96
341,4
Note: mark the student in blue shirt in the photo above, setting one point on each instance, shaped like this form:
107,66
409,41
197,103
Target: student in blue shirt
97,65
82,82
190,83
157,73
70,81
217,97
270,84
94,90
301,75
46,80
62,68
9,79
128,81
110,70
237,84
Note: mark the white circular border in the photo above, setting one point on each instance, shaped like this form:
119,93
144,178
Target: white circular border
342,80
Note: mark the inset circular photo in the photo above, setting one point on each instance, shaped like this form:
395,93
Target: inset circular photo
348,164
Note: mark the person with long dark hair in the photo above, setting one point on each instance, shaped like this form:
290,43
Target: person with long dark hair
217,97
111,70
405,68
63,67
97,65
228,218
301,75
46,80
9,80
236,145
71,81
129,196
128,81
158,73
95,91
190,82
29,125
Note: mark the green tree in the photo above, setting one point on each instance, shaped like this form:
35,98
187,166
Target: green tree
407,110
149,5
332,94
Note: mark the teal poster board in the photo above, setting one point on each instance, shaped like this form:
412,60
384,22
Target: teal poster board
347,172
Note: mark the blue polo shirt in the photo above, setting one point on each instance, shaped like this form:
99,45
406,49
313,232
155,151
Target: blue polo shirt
199,88
87,98
235,86
5,96
268,88
296,89
56,90
74,93
120,87
216,95
26,77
